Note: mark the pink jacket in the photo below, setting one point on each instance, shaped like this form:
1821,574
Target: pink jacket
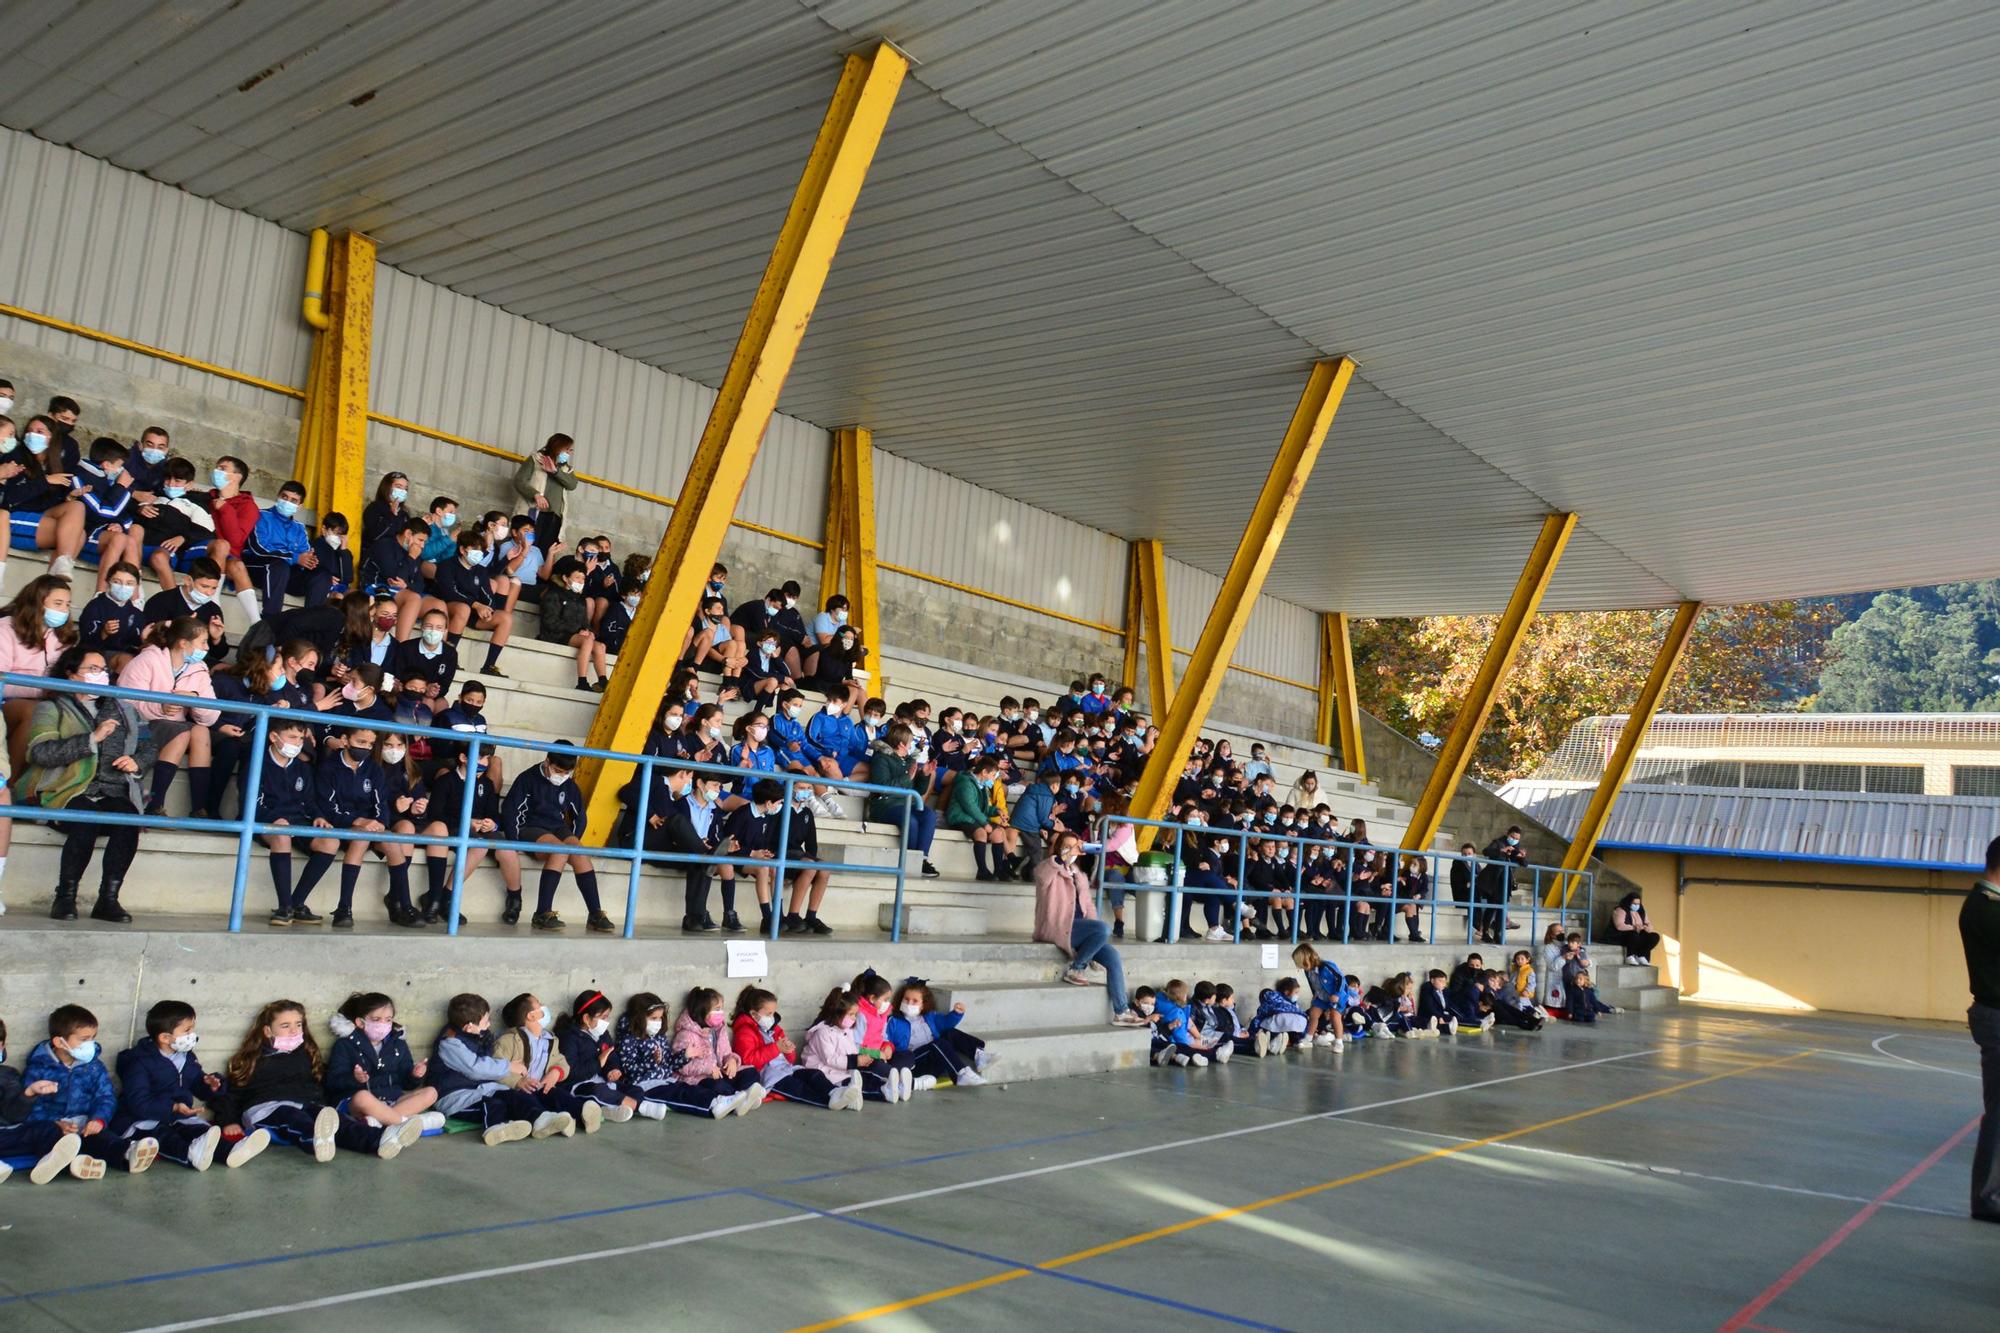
705,1049
830,1050
153,669
1060,891
27,659
871,1027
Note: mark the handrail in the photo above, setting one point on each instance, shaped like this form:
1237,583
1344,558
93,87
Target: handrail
247,829
1392,857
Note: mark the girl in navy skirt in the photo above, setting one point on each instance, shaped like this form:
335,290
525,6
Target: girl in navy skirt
275,1077
701,1039
584,1037
938,1047
370,1072
758,1038
648,1068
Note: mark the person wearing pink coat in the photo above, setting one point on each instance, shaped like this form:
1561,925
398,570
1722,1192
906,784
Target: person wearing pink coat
174,661
31,639
701,1037
1066,916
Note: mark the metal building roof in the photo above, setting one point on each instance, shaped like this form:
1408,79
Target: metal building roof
1939,831
1718,276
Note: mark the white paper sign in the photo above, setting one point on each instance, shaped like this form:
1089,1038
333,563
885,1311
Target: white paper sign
747,958
1270,957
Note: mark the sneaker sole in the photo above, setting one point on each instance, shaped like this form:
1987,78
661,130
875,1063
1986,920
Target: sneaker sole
141,1155
56,1160
618,1115
593,1117
325,1125
246,1148
564,1126
511,1132
87,1168
201,1153
410,1131
390,1146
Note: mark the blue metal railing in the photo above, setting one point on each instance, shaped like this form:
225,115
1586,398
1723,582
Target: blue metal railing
247,829
1388,901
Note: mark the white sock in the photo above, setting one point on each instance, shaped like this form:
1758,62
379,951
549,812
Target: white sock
248,598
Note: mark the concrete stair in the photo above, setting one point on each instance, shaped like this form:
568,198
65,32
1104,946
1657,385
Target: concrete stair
1630,986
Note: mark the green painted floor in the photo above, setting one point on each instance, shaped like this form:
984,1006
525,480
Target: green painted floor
1656,1172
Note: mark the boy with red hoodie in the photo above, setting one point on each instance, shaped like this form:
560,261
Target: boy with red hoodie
759,1040
236,513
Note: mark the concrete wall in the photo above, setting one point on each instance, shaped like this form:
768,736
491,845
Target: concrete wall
1806,935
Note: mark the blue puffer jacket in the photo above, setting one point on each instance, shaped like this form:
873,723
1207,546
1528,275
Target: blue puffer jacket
84,1092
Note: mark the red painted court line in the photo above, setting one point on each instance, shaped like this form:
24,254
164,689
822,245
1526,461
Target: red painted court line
1741,1319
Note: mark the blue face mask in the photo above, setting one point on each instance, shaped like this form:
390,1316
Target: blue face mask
174,492
153,455
196,655
447,520
36,441
122,592
85,1053
219,477
398,494
277,680
53,618
562,457
286,508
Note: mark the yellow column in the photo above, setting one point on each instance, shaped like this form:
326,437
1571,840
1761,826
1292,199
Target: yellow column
836,537
1152,571
1135,616
749,394
1262,536
1339,708
333,428
855,449
1456,756
1618,770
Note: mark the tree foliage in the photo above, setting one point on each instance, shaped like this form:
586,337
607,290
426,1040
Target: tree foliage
1415,673
1919,650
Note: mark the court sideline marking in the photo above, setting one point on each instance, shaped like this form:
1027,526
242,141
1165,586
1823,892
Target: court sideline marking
1290,1196
671,1242
1876,1046
1741,1319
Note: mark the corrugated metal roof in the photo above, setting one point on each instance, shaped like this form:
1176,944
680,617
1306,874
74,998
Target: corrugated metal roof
1718,276
1922,830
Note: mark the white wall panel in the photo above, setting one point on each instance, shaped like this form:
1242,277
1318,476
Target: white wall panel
1279,638
89,243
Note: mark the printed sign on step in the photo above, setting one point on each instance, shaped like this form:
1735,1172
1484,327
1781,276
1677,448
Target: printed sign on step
747,958
1270,957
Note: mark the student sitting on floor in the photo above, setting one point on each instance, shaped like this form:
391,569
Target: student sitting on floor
1384,1007
938,1046
543,806
1434,1011
1521,984
708,1065
1175,1040
529,1041
758,1038
75,1090
472,1081
648,1067
830,1051
1230,1025
874,1001
55,1149
275,1081
370,1072
1279,1017
1354,1016
1323,1021
161,1088
1508,1011
583,1036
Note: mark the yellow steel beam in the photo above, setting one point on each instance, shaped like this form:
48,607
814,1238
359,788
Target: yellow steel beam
1182,721
835,549
345,462
856,448
1152,569
791,285
1339,707
1134,617
1456,756
1618,769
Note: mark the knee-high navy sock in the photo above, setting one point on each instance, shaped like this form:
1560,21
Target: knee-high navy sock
728,896
399,886
316,864
545,898
434,871
979,858
586,884
492,656
163,777
198,784
281,879
349,876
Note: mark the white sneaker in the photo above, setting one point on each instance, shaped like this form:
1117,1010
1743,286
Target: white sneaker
653,1110
390,1144
926,1083
909,1080
1198,1060
853,1090
1217,936
829,808
1261,1043
1179,1057
1340,1043
983,1060
325,1125
247,1147
140,1154
619,1114
507,1131
5,1171
85,1167
56,1159
750,1099
1378,1029
1486,1023
1631,959
1223,1051
1323,1039
1280,1042
409,1132
551,1123
61,566
201,1153
969,1078
592,1116
722,1106
431,1120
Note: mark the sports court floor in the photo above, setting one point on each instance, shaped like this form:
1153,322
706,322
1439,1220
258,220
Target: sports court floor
1703,1169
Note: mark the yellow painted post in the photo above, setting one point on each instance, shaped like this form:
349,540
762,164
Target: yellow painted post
1339,706
1262,536
1456,756
1152,566
344,463
1618,769
776,322
856,448
835,549
1134,618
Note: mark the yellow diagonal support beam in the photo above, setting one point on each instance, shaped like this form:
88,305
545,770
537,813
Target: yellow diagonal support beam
855,449
1151,567
1135,618
1339,708
1262,536
1618,770
1456,756
835,549
791,285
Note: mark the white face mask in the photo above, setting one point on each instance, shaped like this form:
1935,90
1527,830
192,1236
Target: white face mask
336,540
765,1022
290,749
913,1011
186,1042
542,1017
600,1027
392,754
652,1027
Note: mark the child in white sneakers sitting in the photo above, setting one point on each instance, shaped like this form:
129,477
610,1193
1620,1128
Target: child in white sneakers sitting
1280,1020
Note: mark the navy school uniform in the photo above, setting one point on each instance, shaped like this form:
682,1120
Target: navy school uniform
583,1059
460,717
935,1043
1434,1006
282,1096
381,714
602,582
374,651
109,625
456,582
348,794
467,1076
447,794
385,560
151,1084
173,603
332,576
287,791
412,661
536,805
616,625
20,1136
380,518
390,1067
227,752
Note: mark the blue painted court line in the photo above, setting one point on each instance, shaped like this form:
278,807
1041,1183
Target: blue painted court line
1058,1274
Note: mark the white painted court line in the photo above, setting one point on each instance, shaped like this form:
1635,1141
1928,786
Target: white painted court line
592,1256
1649,1169
1876,1045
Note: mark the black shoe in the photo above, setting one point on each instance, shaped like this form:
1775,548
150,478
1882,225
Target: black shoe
342,921
303,917
694,925
930,871
731,923
986,877
107,908
547,921
764,922
512,915
429,912
1117,930
793,924
600,923
818,927
280,919
708,922
1417,939
409,919
63,908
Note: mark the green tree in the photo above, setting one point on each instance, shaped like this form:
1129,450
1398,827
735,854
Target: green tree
1927,650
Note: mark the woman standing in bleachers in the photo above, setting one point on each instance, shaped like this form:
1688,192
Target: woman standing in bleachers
544,481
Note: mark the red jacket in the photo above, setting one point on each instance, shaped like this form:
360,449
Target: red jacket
235,518
752,1047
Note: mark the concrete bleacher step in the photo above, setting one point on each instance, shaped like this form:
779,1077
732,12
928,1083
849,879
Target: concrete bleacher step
1029,1006
1629,985
1098,1048
925,920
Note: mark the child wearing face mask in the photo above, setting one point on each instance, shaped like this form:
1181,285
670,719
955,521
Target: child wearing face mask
72,1091
757,1035
753,827
832,1052
275,1079
162,1088
566,620
370,1072
617,622
938,1046
763,673
1280,1021
262,570
647,1067
583,1041
544,806
110,622
441,816
326,569
427,663
710,1066
530,1040
798,752
475,1084
891,1078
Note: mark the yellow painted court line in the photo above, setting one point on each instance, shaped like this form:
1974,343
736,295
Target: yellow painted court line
1291,1196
